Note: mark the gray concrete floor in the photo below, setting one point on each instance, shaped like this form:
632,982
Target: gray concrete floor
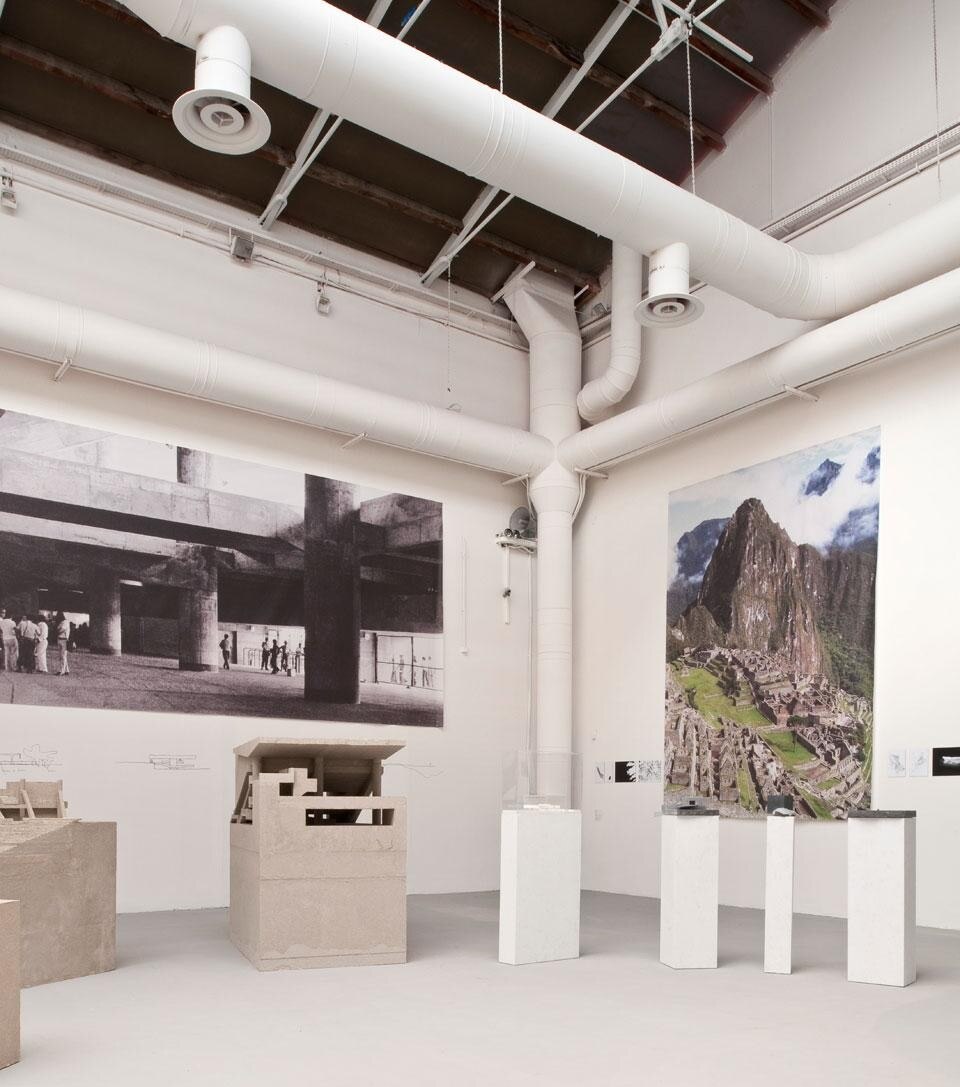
156,683
184,1007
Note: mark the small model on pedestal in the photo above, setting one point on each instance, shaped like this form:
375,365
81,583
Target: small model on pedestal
318,858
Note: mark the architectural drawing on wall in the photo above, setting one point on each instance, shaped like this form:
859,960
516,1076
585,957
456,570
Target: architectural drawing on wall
32,757
897,763
918,762
770,628
946,762
166,762
138,575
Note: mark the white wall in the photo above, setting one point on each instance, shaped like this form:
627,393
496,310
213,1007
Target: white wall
851,97
173,826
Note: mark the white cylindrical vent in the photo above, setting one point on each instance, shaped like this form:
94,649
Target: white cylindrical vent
219,114
668,301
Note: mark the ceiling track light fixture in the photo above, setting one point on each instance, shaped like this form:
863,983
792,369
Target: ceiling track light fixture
219,114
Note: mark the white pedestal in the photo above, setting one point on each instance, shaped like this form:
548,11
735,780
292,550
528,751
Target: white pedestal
881,897
539,885
689,887
778,901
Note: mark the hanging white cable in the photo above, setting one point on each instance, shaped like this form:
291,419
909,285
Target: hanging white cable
500,39
449,310
936,93
693,158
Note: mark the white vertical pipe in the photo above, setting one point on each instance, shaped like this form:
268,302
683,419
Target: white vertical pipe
597,396
545,311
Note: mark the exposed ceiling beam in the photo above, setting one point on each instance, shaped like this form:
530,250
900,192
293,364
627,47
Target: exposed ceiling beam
15,50
116,11
523,30
741,69
812,12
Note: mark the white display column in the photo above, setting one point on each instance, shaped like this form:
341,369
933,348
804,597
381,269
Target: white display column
539,885
882,897
9,983
778,900
689,887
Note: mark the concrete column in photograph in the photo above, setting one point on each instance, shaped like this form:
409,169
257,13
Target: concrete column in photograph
778,899
193,467
331,591
539,885
882,897
9,983
689,887
103,604
199,609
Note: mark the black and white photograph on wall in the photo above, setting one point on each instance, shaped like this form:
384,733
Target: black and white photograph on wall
137,575
770,633
946,762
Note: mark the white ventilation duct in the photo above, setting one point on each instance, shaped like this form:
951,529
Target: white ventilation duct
97,343
601,394
669,302
545,311
872,333
219,114
318,53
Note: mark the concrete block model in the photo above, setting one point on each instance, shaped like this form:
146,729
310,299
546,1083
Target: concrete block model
9,983
318,858
21,800
539,885
64,873
882,897
778,900
689,887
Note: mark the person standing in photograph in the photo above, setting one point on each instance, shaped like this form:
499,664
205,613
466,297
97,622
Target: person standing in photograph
62,629
274,658
264,655
8,631
225,651
43,636
298,659
285,659
26,639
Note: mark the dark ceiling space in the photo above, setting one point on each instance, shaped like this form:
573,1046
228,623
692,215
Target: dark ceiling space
89,74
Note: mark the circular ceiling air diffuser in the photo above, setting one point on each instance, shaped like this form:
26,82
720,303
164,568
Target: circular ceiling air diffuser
669,302
219,114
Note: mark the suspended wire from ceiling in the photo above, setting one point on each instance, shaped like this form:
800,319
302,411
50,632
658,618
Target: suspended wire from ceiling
693,157
936,94
500,39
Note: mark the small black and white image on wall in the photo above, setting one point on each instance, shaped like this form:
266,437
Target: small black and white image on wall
638,770
946,762
138,575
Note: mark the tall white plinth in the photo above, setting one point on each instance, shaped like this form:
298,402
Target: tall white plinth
882,897
778,900
689,887
539,885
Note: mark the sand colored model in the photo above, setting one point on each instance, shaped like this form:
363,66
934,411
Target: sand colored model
317,856
64,873
9,983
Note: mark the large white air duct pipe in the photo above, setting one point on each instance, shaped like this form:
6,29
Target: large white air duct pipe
626,286
878,330
545,311
320,54
98,343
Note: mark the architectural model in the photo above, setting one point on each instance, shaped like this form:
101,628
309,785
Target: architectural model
64,873
9,983
317,856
